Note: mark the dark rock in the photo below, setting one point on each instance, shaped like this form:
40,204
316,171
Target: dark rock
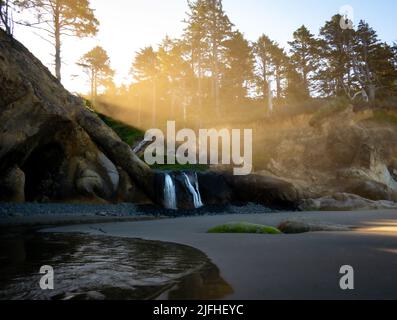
214,189
271,192
65,151
344,202
129,191
12,185
85,296
296,227
371,190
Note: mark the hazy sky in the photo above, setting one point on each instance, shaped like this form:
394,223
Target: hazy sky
128,25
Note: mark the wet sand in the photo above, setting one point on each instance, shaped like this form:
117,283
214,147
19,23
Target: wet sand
304,266
90,267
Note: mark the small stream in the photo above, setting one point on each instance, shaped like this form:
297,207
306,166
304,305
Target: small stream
88,267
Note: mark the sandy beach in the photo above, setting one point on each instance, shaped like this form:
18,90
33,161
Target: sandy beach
302,266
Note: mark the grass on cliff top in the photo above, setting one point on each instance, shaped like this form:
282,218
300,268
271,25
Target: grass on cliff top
332,108
244,227
128,134
131,136
385,117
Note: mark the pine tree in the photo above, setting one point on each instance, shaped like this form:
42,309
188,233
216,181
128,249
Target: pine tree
372,62
6,19
58,18
145,70
304,56
239,72
262,51
195,39
279,61
296,89
335,73
175,73
208,27
96,62
394,49
219,31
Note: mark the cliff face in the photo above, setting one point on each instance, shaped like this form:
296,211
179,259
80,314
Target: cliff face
349,152
51,145
52,148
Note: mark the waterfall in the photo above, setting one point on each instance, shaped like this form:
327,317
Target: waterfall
169,193
189,184
194,190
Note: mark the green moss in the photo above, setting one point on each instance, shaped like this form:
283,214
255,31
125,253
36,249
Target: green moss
128,134
244,227
131,136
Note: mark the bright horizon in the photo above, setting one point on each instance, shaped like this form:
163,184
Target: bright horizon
145,23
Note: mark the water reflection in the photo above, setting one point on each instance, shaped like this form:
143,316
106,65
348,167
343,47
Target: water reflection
88,267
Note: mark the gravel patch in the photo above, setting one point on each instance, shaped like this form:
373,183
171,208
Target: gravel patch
56,213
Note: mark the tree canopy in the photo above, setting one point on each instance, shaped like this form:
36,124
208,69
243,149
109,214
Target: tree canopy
59,18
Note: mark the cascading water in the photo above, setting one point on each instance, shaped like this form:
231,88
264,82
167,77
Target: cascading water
187,184
193,189
170,201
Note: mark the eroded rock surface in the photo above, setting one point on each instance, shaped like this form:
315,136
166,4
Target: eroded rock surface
53,148
62,149
345,202
345,153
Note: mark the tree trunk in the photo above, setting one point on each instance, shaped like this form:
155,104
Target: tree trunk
270,98
199,89
215,78
4,16
57,35
265,82
92,86
96,85
140,111
154,105
278,83
371,92
305,82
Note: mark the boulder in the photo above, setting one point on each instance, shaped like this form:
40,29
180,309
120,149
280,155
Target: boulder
345,153
344,202
295,227
12,185
129,192
89,182
214,189
272,192
111,170
62,148
371,190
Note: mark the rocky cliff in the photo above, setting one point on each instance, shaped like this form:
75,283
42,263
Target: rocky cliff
353,152
54,148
